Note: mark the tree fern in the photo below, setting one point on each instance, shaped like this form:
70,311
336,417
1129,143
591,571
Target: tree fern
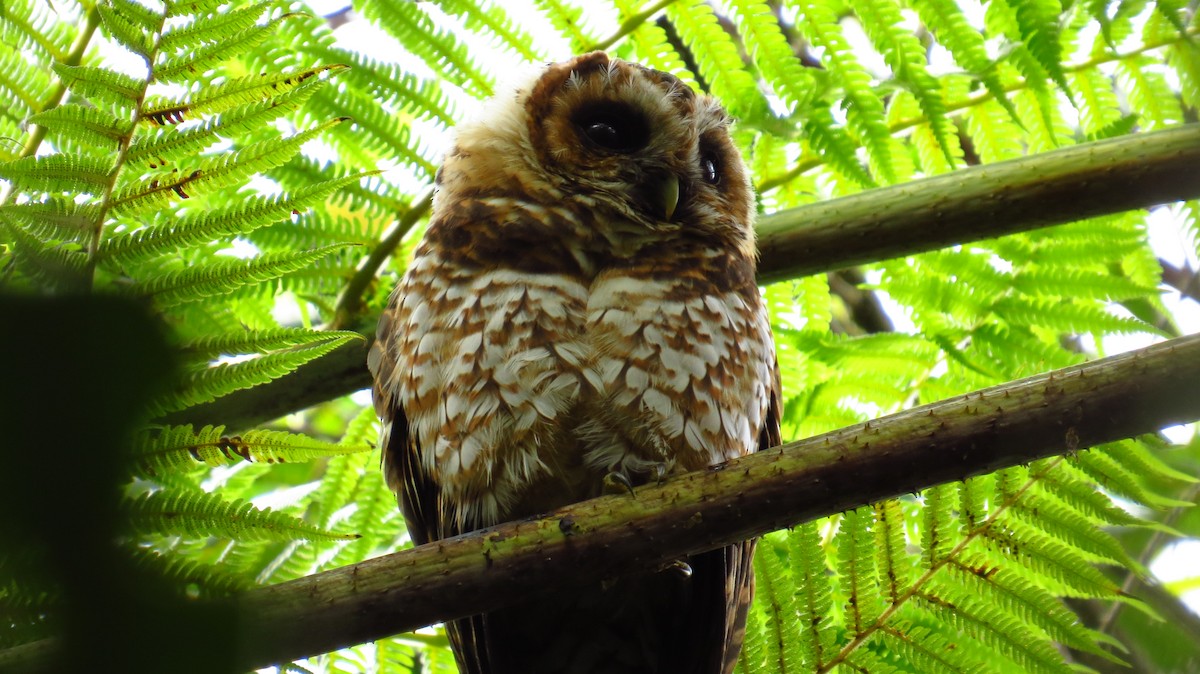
241,180
864,109
199,513
175,448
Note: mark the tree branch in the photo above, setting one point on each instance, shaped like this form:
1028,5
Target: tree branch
977,433
981,202
975,203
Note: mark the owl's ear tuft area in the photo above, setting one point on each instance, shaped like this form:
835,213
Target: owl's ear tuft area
585,64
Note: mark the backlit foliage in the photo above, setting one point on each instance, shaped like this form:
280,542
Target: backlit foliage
248,174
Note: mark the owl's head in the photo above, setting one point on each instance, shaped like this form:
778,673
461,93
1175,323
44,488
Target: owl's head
635,146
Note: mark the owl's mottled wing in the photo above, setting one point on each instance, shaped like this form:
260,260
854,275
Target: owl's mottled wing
401,451
730,603
416,490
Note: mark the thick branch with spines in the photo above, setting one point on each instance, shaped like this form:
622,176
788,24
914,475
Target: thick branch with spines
972,204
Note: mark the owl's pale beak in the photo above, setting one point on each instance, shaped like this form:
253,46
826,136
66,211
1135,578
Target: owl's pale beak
667,192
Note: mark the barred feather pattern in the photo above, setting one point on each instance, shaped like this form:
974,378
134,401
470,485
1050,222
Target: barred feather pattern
576,312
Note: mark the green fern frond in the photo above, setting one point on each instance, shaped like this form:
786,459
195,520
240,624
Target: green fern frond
180,449
494,22
1137,456
1148,93
1076,489
101,85
1064,316
258,341
1073,528
59,173
1184,58
341,481
1096,100
208,384
200,513
204,28
216,172
856,570
196,579
717,59
29,27
814,600
390,82
168,145
219,277
1079,283
650,42
835,145
773,55
178,8
770,646
864,109
232,94
904,54
60,265
923,649
199,59
92,126
1038,23
379,132
130,25
442,51
20,94
375,511
1044,124
892,562
53,218
567,19
995,135
137,15
1004,635
209,225
1047,562
1028,601
966,44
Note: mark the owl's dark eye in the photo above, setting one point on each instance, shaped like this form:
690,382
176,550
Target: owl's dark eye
616,128
710,169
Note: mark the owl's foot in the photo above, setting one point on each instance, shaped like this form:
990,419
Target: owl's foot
681,567
617,480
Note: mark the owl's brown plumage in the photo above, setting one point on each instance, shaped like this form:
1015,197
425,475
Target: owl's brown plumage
583,304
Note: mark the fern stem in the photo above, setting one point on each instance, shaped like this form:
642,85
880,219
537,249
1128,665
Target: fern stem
122,151
631,24
73,58
350,302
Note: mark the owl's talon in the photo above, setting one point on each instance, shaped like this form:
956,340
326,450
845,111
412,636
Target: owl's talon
660,473
615,480
682,567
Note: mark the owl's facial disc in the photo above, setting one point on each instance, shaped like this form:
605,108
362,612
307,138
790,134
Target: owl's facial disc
616,128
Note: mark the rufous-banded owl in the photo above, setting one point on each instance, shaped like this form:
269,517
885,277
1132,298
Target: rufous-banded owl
582,313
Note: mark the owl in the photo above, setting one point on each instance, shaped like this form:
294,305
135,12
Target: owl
582,317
